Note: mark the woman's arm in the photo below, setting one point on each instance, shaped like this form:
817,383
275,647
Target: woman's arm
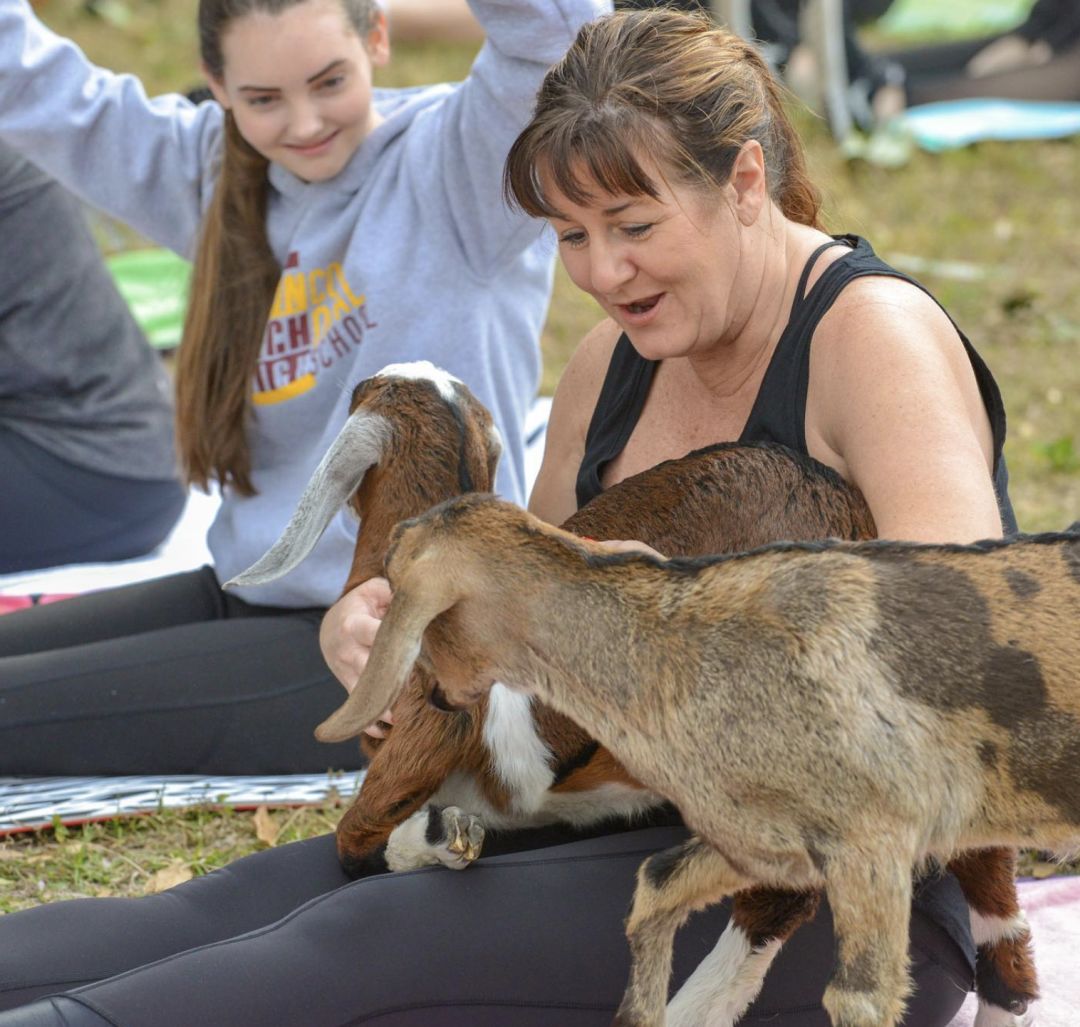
150,163
893,405
553,496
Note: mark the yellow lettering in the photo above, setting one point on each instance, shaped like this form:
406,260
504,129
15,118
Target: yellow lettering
317,294
338,273
321,320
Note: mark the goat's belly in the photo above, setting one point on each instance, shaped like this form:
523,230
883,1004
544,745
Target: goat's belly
579,809
609,800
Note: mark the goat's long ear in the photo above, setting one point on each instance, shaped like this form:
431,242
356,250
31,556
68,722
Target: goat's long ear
359,446
397,645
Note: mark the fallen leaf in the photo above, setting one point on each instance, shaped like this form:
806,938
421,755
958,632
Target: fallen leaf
177,872
1041,870
265,828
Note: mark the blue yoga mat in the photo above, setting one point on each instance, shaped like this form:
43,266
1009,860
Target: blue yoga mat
954,123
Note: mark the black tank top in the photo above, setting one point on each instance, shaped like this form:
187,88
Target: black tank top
779,411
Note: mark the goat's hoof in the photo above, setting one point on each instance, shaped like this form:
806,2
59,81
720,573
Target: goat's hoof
461,840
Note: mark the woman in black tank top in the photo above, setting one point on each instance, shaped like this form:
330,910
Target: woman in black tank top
661,155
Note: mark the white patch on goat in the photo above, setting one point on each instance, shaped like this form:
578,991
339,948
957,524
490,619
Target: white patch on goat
424,370
726,981
995,1016
521,759
407,847
986,930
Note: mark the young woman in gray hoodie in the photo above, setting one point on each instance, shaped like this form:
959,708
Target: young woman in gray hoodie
335,228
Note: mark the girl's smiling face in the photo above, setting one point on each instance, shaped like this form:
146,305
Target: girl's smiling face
299,84
663,268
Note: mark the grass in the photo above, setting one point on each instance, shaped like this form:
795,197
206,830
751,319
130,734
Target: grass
993,231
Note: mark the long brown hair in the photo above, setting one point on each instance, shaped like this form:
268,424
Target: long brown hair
233,282
670,87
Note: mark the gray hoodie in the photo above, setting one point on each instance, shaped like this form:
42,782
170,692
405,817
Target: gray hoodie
409,253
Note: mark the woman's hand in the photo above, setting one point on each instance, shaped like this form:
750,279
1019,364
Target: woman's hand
348,632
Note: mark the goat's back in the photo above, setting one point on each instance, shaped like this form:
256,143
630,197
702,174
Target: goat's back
727,498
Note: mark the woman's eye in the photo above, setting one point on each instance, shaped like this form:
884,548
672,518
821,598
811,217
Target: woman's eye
260,101
332,82
573,239
638,231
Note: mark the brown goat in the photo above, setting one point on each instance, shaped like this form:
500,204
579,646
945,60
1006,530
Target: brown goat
417,437
939,683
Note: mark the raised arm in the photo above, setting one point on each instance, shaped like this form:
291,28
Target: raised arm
150,163
464,151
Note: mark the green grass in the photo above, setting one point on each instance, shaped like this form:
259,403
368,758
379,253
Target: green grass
1007,213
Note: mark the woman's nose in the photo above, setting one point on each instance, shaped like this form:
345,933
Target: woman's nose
609,268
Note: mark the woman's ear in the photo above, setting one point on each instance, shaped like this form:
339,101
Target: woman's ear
216,87
748,182
377,41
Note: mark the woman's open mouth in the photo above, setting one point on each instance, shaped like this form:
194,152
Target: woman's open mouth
640,311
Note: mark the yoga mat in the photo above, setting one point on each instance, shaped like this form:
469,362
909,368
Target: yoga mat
955,123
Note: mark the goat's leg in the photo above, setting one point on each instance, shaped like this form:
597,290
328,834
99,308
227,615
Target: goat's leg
1005,978
670,886
870,894
719,991
404,773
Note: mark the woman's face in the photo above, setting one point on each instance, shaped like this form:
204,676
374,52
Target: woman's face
663,269
299,84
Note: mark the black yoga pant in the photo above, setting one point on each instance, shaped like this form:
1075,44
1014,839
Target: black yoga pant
532,939
54,512
170,676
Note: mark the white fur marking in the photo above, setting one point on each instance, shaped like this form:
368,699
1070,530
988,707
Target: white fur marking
990,929
424,370
407,847
995,1016
726,981
522,760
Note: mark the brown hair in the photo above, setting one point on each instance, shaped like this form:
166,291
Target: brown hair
233,282
671,87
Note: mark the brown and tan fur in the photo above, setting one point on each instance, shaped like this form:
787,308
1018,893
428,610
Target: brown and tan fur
939,682
411,447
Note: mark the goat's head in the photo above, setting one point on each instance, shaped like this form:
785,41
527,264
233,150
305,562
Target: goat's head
414,437
461,573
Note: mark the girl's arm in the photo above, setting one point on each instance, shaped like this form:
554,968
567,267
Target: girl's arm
149,163
458,158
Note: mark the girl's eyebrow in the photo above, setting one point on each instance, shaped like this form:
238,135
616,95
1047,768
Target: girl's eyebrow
332,66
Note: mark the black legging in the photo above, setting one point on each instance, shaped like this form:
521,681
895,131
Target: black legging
54,512
169,676
280,938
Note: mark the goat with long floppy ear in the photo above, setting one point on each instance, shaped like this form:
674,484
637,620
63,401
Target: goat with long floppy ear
419,599
415,436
